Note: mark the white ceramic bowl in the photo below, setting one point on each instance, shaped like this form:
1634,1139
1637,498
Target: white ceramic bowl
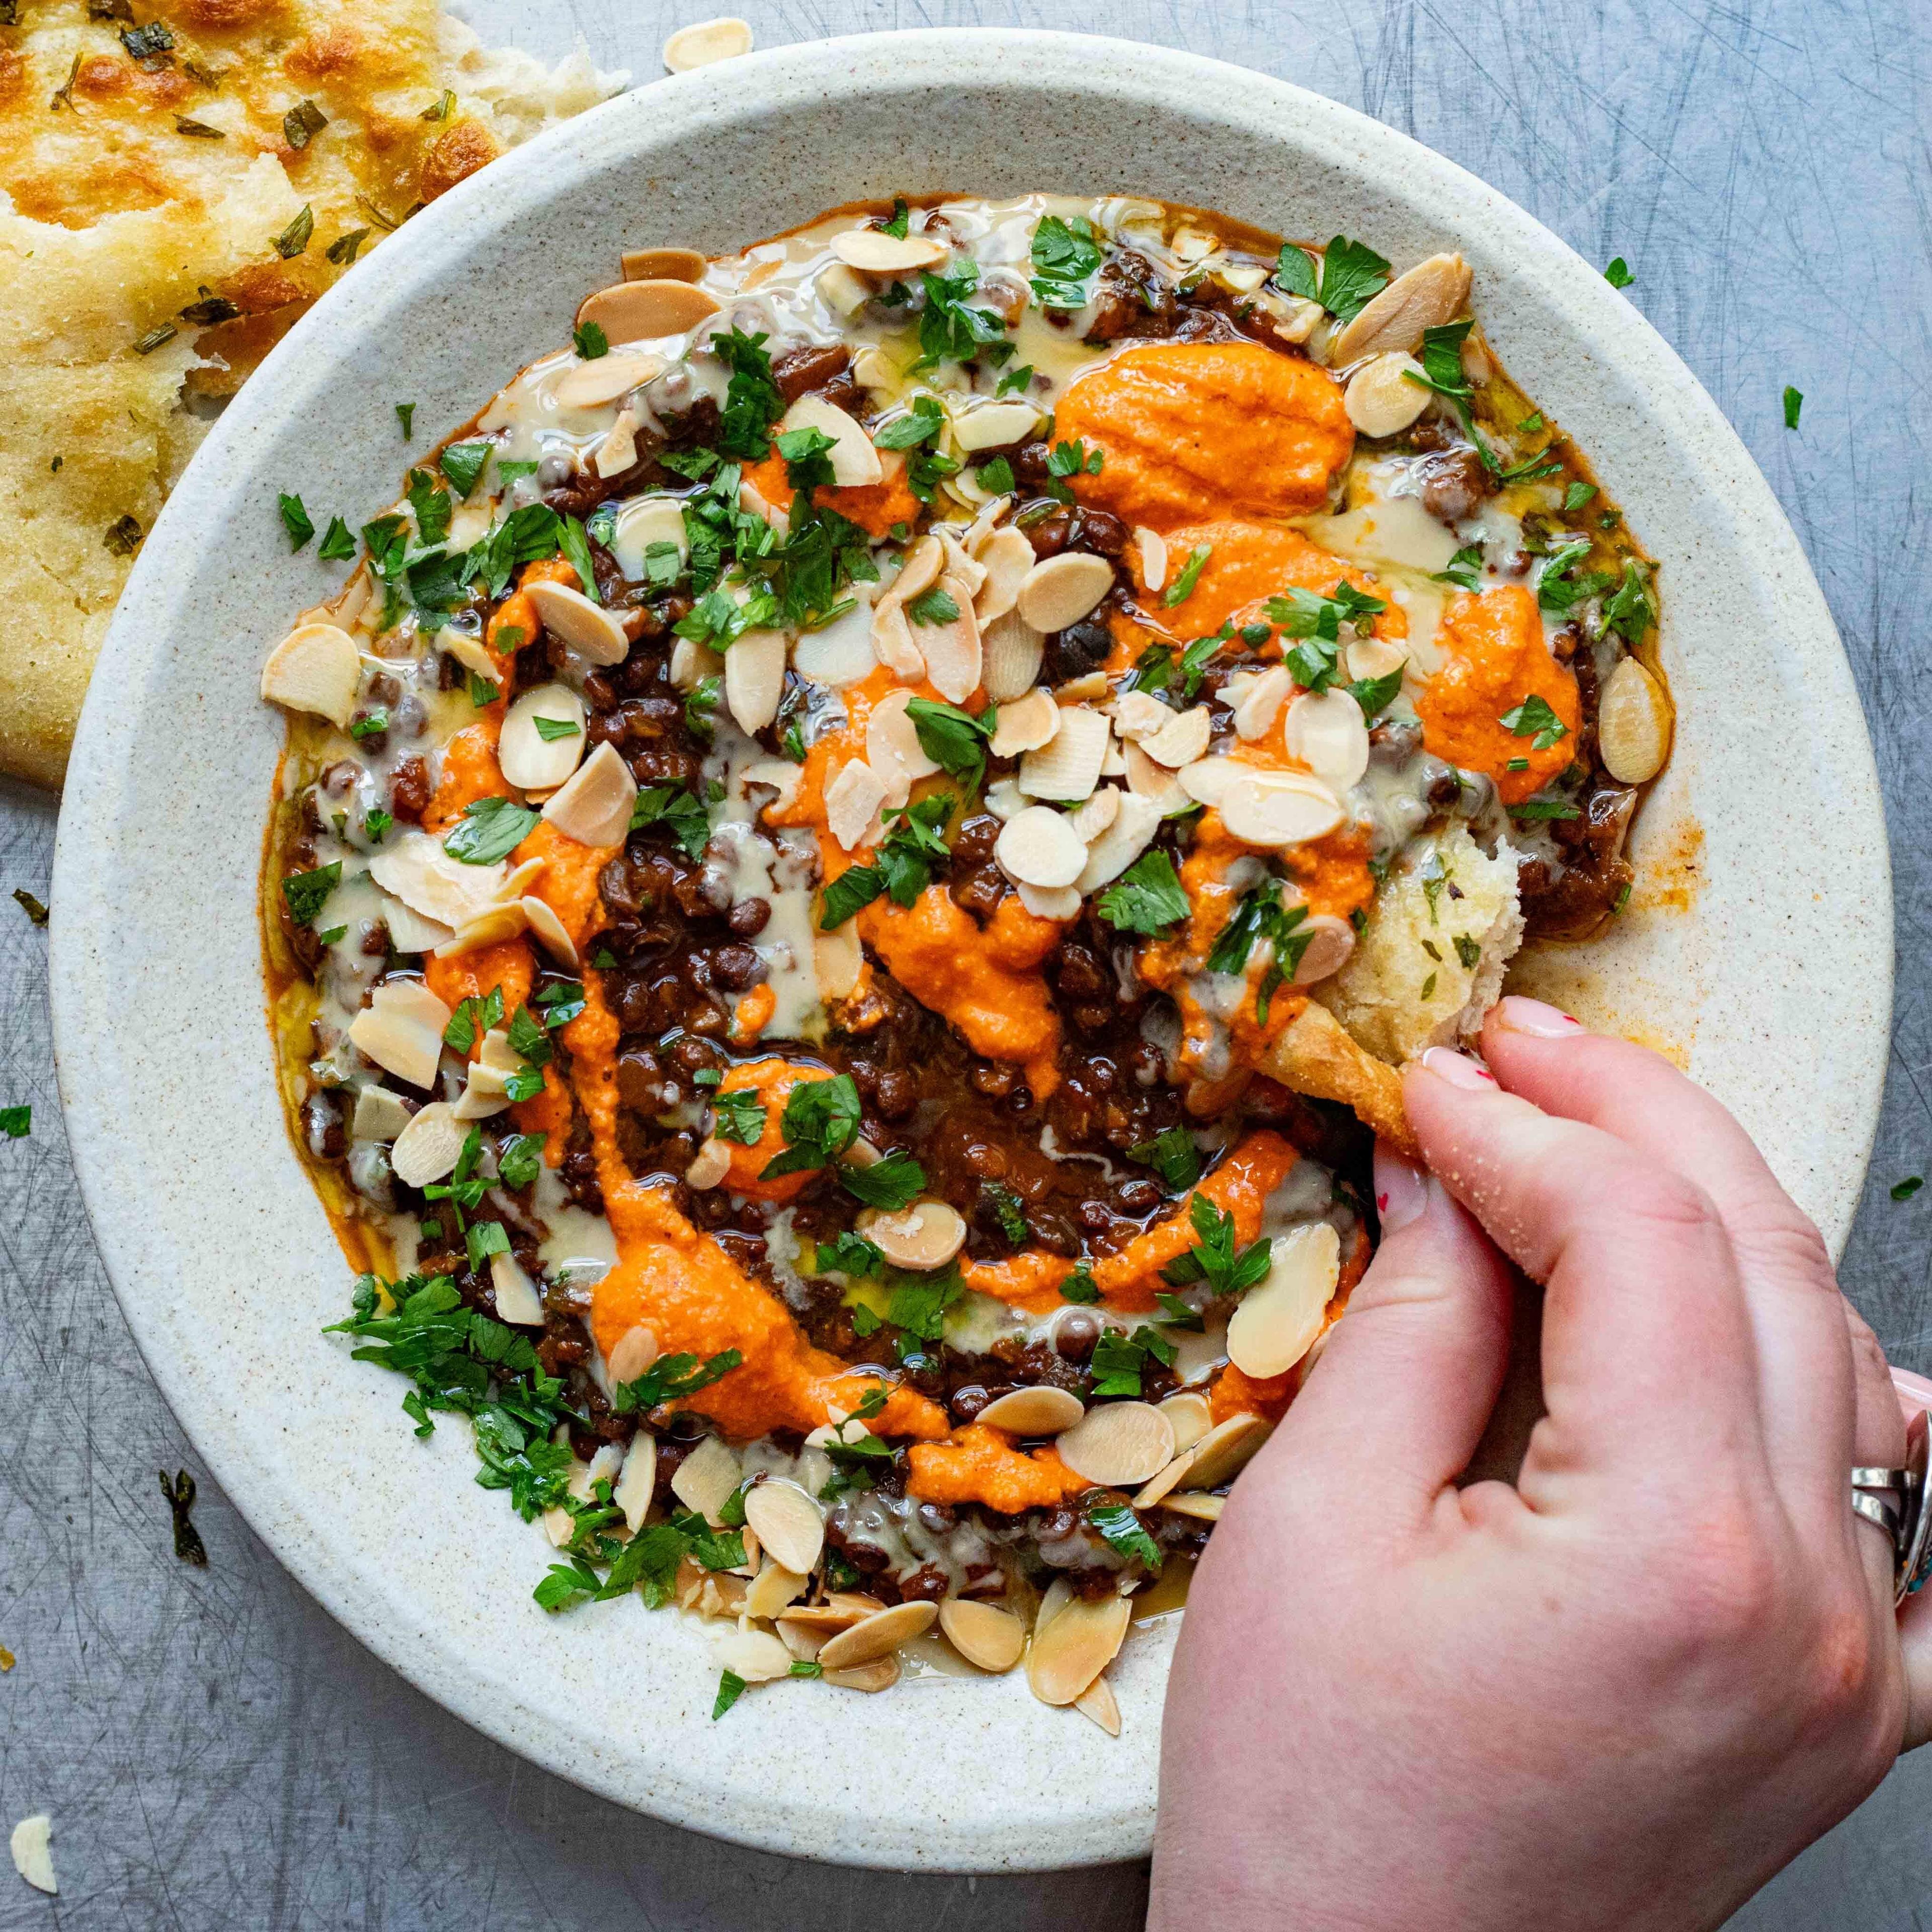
1776,983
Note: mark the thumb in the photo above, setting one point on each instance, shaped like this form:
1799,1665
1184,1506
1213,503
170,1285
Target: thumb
1407,1378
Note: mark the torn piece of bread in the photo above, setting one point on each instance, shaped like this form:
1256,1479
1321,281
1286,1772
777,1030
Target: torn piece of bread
173,195
1429,962
1313,1054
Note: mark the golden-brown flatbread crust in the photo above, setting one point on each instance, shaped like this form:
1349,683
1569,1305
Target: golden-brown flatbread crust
1314,1054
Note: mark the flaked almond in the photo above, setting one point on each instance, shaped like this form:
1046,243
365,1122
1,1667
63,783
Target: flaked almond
1380,398
1280,810
651,520
401,1029
838,653
1195,1503
847,292
1024,724
591,385
920,570
1006,557
315,668
662,265
1327,731
429,1146
1038,847
647,311
1092,818
521,877
1098,1702
490,927
704,42
1375,657
774,1587
790,1525
754,669
409,932
532,757
1207,783
1152,546
470,653
1426,296
1069,767
1004,798
31,1847
691,663
1331,943
878,1635
983,1634
708,1166
1182,739
517,1301
951,649
1191,1416
852,802
874,252
548,930
485,1094
1260,702
638,1483
1135,820
1060,590
840,1610
1155,783
1118,1444
636,1349
892,642
1227,1449
881,1674
892,749
994,426
1066,1654
594,808
855,462
926,1235
588,628
1012,651
1272,1329
1139,715
755,1655
1162,1480
1054,902
1633,723
838,958
379,1115
1040,1411
706,1479
618,451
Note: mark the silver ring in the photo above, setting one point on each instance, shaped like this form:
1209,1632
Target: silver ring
1896,1500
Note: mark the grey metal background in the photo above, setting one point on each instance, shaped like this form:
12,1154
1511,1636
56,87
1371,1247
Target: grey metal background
215,1752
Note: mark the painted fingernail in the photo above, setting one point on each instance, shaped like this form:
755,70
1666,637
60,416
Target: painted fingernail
1402,1189
1458,1069
1534,1017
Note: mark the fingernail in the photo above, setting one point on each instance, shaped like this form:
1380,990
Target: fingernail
1458,1069
1534,1017
1402,1189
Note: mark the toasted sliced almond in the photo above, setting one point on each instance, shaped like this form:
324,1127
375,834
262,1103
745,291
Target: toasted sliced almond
426,894
1431,293
1633,723
1182,739
755,1655
635,1487
705,1480
774,1587
953,654
1155,783
881,1674
379,1115
604,379
662,265
1066,1654
790,1525
429,1146
490,927
876,252
636,1349
926,1235
1135,821
1007,558
587,628
704,42
1098,1702
1092,818
521,877
1040,1411
1331,943
892,640
1280,810
1069,767
1260,702
594,808
1038,847
619,449
1326,731
549,933
484,1096
469,653
1060,590
1013,649
1162,1480
754,669
892,749
1054,902
1273,1328
1153,548
517,1301
1119,1444
852,802
31,1845
1059,1594
1207,782
1024,724
401,1029
994,426
1191,1418
1203,1507
919,570
1139,715
983,1634
317,668
878,1635
855,462
840,1611
1380,398
1227,1449
529,758
708,1166
647,311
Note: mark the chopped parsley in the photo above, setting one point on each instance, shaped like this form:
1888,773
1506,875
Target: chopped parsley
1066,256
820,1122
1118,1360
1262,917
1124,1531
1352,275
474,1017
1576,495
1318,621
1464,570
492,829
549,730
1618,274
933,606
406,415
1901,1190
1147,897
730,1688
752,400
1544,808
997,477
1534,720
1007,1209
1376,694
294,238
671,1377
1172,1154
590,342
305,893
302,123
463,463
295,520
337,546
921,423
1182,588
950,326
1794,401
1214,1258
894,1181
954,739
740,1116
680,813
1079,1286
17,1122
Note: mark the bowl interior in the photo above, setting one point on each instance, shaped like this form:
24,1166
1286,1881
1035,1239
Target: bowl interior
216,1244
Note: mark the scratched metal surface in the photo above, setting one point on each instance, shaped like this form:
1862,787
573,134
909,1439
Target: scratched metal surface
215,1752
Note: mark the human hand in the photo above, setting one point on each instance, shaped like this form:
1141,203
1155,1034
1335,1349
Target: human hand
1624,1691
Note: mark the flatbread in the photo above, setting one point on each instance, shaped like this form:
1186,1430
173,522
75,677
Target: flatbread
116,215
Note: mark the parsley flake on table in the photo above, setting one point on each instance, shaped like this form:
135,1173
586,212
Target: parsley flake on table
730,1688
1794,401
337,546
17,1122
1903,1190
1618,274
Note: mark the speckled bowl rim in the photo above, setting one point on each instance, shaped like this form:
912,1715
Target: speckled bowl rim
221,1256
